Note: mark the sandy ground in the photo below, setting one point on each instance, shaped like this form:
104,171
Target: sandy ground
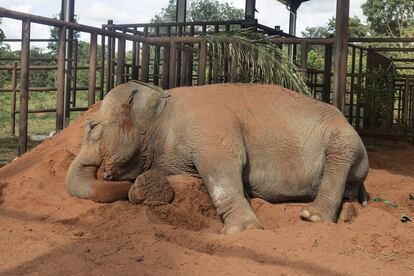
44,231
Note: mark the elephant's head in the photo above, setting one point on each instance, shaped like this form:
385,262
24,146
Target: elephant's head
113,139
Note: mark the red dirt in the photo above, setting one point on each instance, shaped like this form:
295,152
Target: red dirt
45,231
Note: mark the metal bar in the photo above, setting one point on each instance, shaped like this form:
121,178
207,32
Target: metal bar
52,110
250,9
381,39
341,56
75,73
13,99
24,86
92,68
202,63
33,59
32,67
403,59
60,93
69,25
393,49
299,40
120,65
173,24
181,8
173,65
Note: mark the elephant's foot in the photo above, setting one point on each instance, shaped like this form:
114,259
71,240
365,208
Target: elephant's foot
316,212
239,220
236,227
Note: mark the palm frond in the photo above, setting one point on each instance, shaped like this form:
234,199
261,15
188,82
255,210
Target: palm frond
246,56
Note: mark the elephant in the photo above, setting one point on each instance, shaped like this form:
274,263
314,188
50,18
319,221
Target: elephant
243,140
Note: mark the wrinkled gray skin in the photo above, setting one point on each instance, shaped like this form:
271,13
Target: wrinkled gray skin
243,140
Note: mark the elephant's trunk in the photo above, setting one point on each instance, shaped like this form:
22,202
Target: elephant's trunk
81,181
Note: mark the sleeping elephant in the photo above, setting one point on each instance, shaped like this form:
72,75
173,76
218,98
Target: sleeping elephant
243,140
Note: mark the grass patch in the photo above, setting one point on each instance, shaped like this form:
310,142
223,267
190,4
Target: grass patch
38,124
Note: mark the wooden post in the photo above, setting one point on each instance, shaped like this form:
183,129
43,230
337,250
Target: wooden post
156,71
202,63
166,67
145,59
60,93
326,97
109,62
184,64
173,65
412,108
215,62
112,67
210,64
351,96
304,57
406,101
359,87
120,65
92,68
24,86
341,55
135,55
13,99
102,71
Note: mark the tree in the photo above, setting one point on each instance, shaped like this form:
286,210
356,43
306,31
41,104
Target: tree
390,17
201,10
2,36
54,34
356,29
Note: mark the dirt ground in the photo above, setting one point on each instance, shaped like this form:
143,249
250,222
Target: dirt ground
44,231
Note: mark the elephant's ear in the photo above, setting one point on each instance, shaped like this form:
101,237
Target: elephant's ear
147,103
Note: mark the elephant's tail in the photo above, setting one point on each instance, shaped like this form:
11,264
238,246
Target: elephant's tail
363,195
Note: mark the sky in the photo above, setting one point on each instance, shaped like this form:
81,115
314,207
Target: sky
97,12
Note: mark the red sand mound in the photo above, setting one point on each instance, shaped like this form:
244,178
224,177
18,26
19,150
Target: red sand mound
44,231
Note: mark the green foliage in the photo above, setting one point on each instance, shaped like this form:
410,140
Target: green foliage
356,29
201,10
2,36
377,96
256,60
390,17
316,59
54,34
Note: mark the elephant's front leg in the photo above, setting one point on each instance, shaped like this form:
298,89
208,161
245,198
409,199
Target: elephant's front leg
223,178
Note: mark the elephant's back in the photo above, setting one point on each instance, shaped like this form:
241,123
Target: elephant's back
237,96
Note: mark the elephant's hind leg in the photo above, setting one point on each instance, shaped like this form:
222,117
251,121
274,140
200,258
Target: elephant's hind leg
340,157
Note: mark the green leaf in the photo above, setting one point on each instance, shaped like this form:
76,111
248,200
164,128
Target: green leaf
256,59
